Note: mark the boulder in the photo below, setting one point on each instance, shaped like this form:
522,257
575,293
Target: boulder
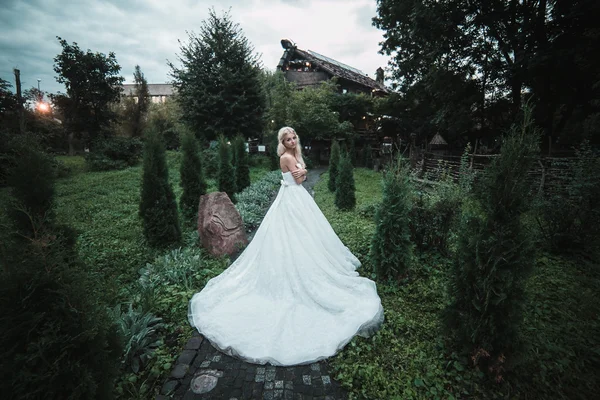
220,226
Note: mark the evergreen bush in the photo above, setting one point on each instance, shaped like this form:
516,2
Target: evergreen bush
345,192
391,252
334,160
59,340
158,207
192,177
226,171
495,253
242,168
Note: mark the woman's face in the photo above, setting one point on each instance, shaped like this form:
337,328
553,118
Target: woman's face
290,140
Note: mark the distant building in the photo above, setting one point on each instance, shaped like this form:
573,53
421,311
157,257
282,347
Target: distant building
309,68
159,92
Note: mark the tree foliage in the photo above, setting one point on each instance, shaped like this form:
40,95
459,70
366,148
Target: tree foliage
93,82
137,109
62,343
309,111
495,253
391,250
219,83
226,171
192,176
345,190
158,207
242,167
334,161
481,59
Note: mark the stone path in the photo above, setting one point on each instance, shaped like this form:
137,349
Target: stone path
203,372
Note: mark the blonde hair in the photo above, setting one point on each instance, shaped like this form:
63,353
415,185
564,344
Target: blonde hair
281,148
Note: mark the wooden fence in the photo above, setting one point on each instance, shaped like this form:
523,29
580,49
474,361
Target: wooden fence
548,175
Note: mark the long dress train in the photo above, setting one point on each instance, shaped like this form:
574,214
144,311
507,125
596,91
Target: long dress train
293,296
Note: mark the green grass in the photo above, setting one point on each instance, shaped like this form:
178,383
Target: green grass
412,357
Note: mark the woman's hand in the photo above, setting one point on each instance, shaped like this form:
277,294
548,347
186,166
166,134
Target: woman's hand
299,173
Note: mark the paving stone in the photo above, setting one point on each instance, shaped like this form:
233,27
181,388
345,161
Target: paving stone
269,385
289,385
259,378
161,397
268,395
315,367
186,357
169,387
326,380
270,376
179,371
306,379
278,384
278,394
194,343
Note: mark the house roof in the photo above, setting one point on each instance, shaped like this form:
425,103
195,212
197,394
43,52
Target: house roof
438,140
329,65
155,89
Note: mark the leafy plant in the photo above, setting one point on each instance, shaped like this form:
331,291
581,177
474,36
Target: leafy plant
192,177
226,171
140,334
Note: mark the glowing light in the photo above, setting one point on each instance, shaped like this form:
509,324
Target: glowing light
43,107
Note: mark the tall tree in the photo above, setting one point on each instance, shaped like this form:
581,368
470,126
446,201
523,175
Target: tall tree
506,48
495,254
192,176
219,82
93,82
158,207
334,162
226,170
242,168
136,110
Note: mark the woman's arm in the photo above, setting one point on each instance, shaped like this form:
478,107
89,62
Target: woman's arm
288,163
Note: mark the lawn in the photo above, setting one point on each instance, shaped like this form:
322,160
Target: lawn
412,357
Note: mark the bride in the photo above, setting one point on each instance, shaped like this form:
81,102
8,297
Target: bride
293,296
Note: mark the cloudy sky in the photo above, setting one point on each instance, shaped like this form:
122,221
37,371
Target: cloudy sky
146,32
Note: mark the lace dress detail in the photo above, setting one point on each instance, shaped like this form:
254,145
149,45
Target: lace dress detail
293,296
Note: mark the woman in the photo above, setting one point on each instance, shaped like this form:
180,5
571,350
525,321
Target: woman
293,296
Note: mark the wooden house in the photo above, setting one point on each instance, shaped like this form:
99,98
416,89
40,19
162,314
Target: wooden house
309,68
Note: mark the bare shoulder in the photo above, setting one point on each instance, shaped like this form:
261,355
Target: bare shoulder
286,162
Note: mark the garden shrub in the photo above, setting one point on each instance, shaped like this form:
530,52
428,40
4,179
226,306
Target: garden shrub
391,251
345,192
114,153
334,159
495,253
226,171
158,207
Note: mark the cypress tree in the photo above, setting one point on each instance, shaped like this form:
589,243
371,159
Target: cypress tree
391,250
345,196
273,157
226,171
495,253
367,156
334,159
158,207
60,341
242,169
192,177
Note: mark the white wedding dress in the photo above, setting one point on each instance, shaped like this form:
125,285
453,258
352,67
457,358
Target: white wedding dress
293,296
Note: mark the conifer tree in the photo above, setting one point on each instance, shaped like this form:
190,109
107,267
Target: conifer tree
391,250
242,169
367,156
334,159
273,157
158,207
192,177
219,84
62,343
226,171
495,253
345,196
